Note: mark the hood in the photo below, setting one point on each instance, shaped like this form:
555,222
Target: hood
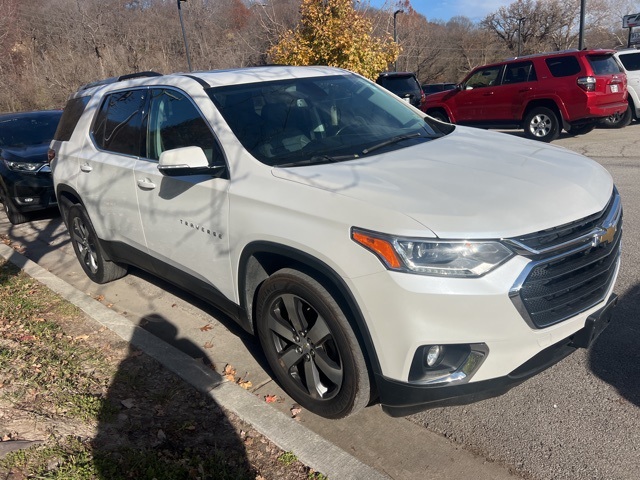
32,153
470,184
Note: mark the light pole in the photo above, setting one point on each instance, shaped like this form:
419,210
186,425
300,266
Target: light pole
184,35
520,22
395,36
581,33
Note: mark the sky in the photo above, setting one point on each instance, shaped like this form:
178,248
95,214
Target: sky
445,9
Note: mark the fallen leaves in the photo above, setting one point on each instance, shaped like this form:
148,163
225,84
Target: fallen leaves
230,374
270,398
206,328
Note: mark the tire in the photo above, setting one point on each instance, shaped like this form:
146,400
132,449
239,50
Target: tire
439,115
618,120
15,216
88,250
310,345
582,129
541,124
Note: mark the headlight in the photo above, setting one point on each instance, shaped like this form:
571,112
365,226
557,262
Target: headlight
23,166
433,256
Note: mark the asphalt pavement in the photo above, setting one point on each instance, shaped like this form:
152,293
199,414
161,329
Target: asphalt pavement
577,420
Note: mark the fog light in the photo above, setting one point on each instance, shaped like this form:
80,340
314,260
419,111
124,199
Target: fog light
447,364
433,355
27,200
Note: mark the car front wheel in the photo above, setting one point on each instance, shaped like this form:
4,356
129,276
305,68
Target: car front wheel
542,124
88,250
15,216
310,345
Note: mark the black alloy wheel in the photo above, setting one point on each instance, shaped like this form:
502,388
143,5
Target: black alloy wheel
310,345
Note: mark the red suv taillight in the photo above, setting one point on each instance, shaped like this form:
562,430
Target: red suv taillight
588,84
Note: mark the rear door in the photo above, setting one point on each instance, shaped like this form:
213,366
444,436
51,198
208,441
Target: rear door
105,177
185,219
508,98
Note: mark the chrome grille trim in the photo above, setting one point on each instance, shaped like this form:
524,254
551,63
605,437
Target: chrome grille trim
571,276
613,213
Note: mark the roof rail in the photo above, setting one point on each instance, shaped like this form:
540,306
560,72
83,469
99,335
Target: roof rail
121,78
533,55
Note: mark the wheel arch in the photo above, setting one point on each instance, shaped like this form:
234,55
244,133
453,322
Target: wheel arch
67,197
441,109
259,260
546,103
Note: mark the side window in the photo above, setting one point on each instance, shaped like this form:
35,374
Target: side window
631,61
486,77
118,127
563,66
519,72
175,122
70,118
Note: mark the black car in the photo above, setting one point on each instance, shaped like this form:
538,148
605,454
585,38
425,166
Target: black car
429,88
403,84
25,176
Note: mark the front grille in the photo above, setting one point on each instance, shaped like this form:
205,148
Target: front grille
573,267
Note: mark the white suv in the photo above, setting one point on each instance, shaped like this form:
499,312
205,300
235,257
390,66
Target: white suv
629,60
376,252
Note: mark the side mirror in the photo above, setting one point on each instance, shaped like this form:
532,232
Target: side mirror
187,161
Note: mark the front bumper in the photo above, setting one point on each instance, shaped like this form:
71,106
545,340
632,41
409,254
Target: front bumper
400,399
30,192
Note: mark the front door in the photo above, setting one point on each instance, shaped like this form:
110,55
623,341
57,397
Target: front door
185,219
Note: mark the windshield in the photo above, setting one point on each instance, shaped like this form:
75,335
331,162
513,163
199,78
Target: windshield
301,121
23,130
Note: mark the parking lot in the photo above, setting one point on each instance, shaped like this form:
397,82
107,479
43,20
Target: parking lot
577,420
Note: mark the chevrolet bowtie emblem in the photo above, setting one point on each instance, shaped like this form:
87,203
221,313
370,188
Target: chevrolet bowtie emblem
606,237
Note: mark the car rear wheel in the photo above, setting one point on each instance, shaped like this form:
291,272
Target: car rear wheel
618,120
88,250
582,129
310,345
542,124
15,216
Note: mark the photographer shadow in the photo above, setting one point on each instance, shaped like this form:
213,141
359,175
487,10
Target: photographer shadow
154,424
615,356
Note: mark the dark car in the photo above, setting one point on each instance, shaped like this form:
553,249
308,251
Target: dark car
403,84
429,88
25,176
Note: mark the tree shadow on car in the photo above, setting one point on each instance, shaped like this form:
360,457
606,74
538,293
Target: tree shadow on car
615,356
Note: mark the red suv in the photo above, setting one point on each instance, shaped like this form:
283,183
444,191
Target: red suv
541,94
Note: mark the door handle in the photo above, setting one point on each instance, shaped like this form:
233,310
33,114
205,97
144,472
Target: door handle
146,184
488,94
86,168
525,90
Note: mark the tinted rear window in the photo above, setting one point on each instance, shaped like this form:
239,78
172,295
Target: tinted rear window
70,117
603,64
631,61
399,84
563,66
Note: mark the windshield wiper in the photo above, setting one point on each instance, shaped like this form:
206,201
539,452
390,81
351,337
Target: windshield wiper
391,141
318,160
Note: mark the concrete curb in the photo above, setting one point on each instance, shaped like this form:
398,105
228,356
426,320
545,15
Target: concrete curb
309,447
